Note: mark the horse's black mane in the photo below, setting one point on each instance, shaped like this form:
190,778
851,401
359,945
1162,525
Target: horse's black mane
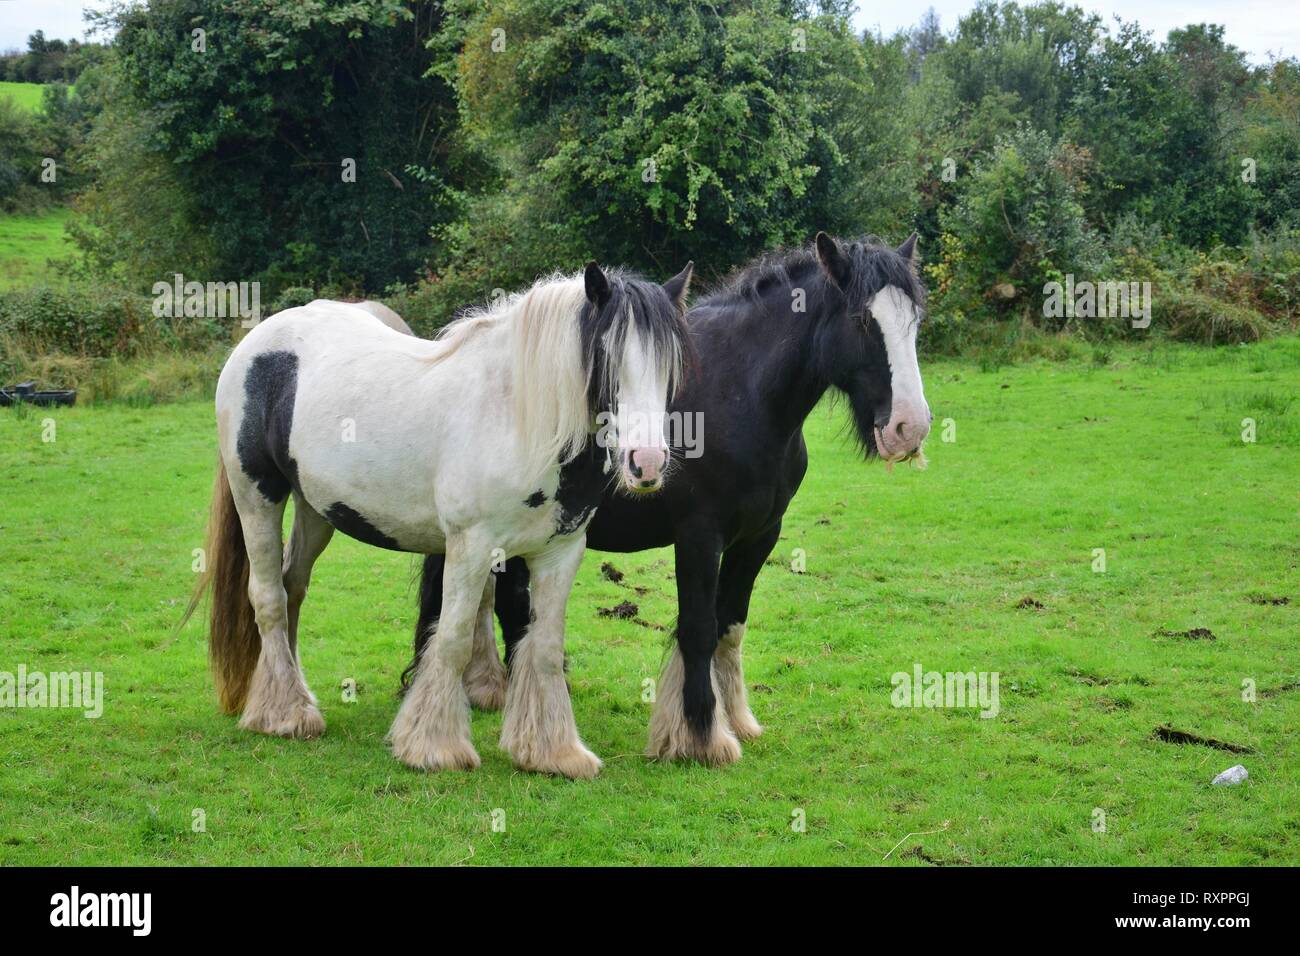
658,321
874,266
628,288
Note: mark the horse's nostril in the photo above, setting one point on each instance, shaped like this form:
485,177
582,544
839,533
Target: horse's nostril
899,429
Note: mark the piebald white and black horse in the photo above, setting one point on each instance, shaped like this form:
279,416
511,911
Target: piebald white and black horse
478,445
764,365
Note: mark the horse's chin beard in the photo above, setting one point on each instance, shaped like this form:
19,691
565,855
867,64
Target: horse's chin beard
637,493
915,458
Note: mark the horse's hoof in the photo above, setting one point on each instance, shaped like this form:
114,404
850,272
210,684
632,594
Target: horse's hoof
437,755
487,692
574,761
302,722
720,747
744,725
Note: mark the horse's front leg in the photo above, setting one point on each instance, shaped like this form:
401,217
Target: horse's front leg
432,727
740,567
689,721
539,731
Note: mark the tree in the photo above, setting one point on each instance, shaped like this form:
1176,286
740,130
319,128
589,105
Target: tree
661,131
22,149
1020,221
1038,55
922,40
1271,143
139,223
307,136
1161,123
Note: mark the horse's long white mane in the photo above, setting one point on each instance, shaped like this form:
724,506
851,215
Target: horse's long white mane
549,378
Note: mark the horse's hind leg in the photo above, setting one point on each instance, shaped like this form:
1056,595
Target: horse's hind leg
279,701
513,604
538,730
311,533
485,677
432,726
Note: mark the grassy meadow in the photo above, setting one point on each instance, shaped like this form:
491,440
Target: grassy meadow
26,95
27,243
985,562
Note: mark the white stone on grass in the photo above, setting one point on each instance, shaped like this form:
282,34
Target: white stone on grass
1231,776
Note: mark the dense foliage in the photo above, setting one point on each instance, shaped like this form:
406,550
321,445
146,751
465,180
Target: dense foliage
98,323
496,141
305,139
660,128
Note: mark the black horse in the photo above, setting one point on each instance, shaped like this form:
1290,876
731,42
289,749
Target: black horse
769,344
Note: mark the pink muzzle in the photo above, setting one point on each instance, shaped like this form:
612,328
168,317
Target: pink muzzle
643,469
904,432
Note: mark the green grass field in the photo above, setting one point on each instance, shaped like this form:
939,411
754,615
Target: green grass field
26,95
1142,457
27,243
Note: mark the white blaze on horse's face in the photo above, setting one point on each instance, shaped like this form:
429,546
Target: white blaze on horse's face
909,416
640,440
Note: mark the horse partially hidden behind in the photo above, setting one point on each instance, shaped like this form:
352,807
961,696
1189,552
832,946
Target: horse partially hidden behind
478,445
770,344
381,312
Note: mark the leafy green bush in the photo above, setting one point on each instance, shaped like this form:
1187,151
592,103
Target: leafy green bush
23,147
138,380
427,307
1194,316
1222,295
1017,225
292,297
1274,261
1219,296
98,322
317,147
655,131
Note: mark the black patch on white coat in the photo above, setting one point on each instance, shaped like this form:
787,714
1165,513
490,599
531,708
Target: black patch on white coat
582,483
263,442
536,499
355,525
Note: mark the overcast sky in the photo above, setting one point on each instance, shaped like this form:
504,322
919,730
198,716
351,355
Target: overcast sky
1259,27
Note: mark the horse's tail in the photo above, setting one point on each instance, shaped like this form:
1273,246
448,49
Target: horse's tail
234,643
430,607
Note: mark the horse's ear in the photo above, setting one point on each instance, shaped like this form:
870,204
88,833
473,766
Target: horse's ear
597,284
908,249
680,285
832,258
